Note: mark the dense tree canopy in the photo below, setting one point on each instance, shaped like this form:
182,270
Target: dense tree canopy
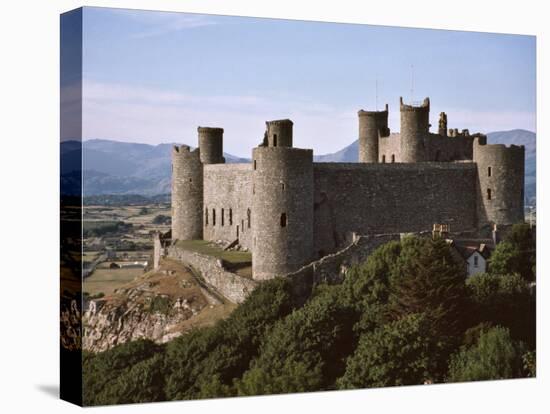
407,315
397,353
516,253
494,356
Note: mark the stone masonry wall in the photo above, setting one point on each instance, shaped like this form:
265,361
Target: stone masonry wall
233,287
228,191
437,148
332,268
389,146
390,198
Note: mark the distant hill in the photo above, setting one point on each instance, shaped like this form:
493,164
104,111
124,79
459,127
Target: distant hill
114,167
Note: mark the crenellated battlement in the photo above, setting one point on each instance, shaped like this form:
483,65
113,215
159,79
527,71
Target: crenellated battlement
482,145
279,122
182,149
209,130
382,113
424,106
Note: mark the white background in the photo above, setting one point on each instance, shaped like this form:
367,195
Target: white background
29,133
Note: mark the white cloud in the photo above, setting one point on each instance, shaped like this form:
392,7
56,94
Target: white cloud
138,114
161,23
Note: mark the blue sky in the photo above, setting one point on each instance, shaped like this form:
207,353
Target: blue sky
154,77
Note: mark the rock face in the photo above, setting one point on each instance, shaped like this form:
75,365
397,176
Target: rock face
160,305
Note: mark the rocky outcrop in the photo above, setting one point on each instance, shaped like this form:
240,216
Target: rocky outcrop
160,305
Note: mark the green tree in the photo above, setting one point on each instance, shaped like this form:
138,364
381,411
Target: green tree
209,360
427,279
516,253
107,377
505,300
397,353
369,282
494,356
306,351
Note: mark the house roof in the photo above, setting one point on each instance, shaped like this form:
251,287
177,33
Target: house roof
467,247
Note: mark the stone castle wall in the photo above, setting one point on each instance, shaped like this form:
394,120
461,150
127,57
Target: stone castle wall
279,133
333,267
211,145
228,196
282,210
372,125
436,148
232,286
187,189
415,125
390,198
500,183
389,148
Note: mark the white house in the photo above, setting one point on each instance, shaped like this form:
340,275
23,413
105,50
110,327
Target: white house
474,254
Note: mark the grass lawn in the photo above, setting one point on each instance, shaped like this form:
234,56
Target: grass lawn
207,248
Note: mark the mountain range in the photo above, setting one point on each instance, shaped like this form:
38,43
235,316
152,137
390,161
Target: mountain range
114,167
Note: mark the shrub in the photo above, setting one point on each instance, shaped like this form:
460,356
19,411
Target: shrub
494,356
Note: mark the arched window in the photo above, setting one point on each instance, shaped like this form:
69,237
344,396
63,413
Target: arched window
213,216
206,216
489,194
223,216
283,220
248,218
230,217
489,171
283,186
274,140
393,158
383,159
254,164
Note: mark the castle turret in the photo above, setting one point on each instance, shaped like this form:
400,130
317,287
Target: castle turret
211,145
415,126
372,125
443,124
187,193
282,210
500,187
279,133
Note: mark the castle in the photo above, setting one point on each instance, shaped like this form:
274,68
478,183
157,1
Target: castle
288,210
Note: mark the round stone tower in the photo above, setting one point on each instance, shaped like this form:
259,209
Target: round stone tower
211,145
415,126
282,210
279,133
372,125
187,190
500,187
